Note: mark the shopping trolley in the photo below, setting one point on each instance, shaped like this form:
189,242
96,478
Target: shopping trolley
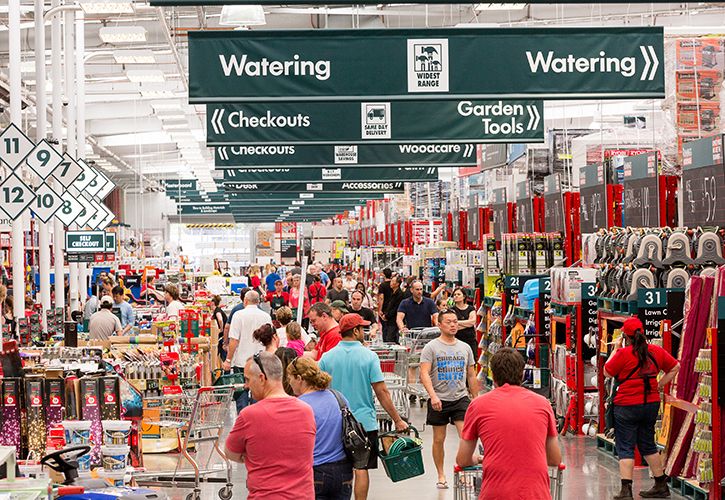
467,482
394,365
415,340
196,417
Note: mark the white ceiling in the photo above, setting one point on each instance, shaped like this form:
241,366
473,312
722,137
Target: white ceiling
145,131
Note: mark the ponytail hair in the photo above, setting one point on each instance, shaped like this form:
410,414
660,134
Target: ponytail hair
639,347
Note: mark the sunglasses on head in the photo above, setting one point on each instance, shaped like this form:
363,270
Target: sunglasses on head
258,359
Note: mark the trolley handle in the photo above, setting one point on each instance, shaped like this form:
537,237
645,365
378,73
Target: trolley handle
458,468
562,467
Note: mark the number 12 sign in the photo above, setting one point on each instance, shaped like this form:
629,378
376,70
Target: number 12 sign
15,196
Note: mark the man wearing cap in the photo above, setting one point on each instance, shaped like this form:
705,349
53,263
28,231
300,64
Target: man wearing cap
339,309
637,402
356,373
103,324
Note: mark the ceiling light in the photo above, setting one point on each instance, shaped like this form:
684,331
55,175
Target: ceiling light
500,6
146,75
164,105
242,15
174,126
171,115
107,6
122,34
157,94
134,56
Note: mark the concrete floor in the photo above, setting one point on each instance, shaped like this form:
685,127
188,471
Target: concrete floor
590,474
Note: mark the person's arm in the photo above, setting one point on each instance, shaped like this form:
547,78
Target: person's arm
437,291
667,378
119,330
608,370
129,320
472,381
465,456
381,298
553,452
466,323
425,379
383,395
400,320
434,319
225,335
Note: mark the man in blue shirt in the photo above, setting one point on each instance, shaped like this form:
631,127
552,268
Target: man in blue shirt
127,315
417,311
271,278
356,373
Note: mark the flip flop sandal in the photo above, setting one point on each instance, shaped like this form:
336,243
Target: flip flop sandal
442,485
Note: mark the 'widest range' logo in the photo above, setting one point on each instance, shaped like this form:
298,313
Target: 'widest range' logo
428,65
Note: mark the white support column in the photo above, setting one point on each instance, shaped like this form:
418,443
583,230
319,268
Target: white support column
57,76
41,128
80,36
18,238
71,148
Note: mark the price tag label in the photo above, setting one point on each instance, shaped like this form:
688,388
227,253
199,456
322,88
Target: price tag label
15,196
43,159
47,202
14,146
67,171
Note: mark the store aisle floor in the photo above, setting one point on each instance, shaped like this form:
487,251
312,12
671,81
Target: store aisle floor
590,473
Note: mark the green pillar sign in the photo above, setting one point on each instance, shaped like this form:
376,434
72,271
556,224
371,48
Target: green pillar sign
444,121
425,64
364,155
335,174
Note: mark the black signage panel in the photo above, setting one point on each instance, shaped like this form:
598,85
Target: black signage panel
524,208
500,213
592,199
553,204
473,225
703,182
641,193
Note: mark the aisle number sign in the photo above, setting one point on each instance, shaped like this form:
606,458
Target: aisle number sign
67,171
476,63
15,196
43,159
70,209
440,121
14,146
47,202
85,241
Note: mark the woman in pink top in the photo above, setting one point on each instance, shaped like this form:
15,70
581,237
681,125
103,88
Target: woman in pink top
294,337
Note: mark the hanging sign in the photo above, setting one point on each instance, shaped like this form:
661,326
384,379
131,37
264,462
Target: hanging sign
43,159
364,155
475,63
98,215
500,213
703,182
47,202
15,196
107,219
459,121
179,184
88,211
67,171
553,204
641,193
85,241
524,208
334,174
96,183
322,187
70,209
204,209
86,177
14,146
592,198
110,246
304,196
106,188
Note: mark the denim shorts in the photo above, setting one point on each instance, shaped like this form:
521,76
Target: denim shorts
635,425
333,481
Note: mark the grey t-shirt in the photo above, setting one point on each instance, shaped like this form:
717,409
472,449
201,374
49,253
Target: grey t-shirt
449,364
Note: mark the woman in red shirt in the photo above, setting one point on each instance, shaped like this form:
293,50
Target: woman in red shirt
636,404
277,298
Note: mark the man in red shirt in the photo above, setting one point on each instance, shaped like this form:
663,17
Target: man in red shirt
277,298
279,463
328,331
637,403
317,291
518,432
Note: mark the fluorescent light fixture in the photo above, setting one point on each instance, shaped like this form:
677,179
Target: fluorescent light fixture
500,6
134,56
122,34
157,94
242,15
146,75
174,126
106,6
171,115
166,105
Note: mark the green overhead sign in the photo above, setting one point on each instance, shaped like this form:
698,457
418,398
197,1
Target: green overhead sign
364,155
174,185
353,195
414,64
85,242
321,187
444,121
203,208
276,175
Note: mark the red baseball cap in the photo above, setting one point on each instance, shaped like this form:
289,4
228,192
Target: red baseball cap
350,321
631,326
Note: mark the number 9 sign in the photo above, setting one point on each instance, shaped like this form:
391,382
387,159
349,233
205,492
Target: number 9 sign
43,159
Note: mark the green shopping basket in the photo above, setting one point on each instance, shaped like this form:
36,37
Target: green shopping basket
235,379
404,463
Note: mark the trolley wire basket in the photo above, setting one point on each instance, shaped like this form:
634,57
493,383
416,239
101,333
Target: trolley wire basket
196,417
468,481
394,361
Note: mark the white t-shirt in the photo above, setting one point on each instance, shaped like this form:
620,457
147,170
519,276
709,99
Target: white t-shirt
242,327
174,307
282,334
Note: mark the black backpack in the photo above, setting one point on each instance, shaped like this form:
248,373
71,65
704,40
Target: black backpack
354,438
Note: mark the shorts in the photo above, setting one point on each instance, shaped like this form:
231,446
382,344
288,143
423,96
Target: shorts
374,451
635,425
452,411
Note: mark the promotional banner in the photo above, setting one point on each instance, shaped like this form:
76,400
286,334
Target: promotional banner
475,63
322,187
365,155
276,175
458,121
